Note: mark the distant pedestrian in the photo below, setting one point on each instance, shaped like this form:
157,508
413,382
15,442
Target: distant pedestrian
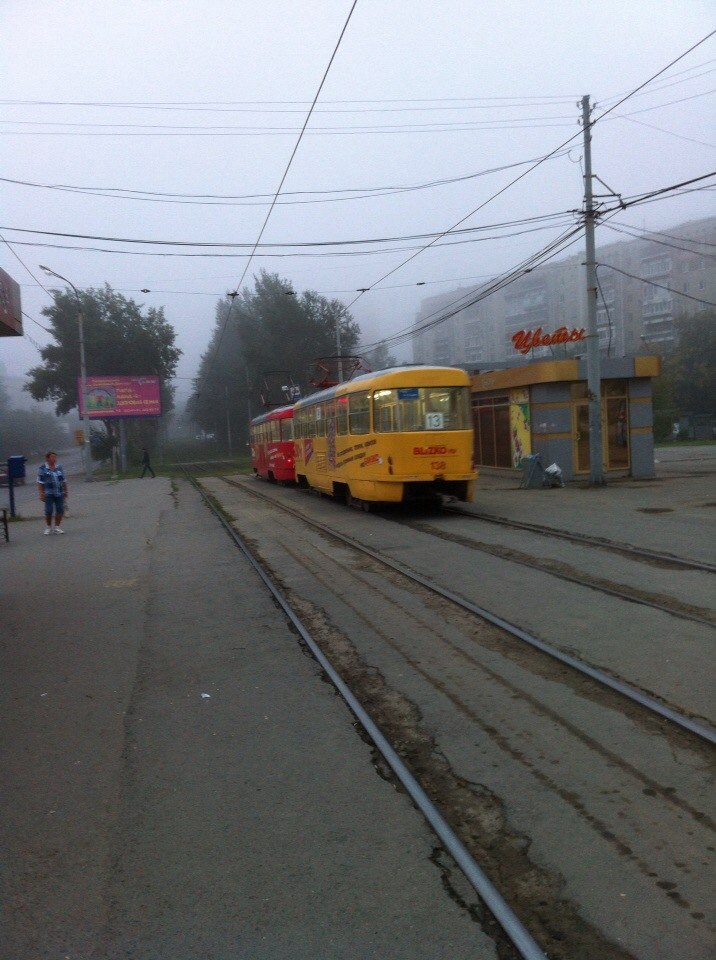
146,465
53,491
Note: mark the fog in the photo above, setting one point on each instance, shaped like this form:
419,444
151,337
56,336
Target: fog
207,101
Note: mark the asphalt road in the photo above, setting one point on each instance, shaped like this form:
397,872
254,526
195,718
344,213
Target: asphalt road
177,780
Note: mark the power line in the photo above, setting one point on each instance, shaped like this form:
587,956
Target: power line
283,178
662,243
17,257
538,163
220,129
366,241
661,286
467,300
223,200
671,133
654,194
641,86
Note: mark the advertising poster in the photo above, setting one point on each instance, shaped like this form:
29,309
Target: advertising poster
520,425
120,397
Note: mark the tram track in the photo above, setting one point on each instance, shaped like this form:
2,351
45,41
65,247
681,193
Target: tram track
563,571
526,946
464,802
666,560
606,680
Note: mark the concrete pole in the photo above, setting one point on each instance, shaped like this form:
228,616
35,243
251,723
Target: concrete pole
594,377
122,445
83,372
228,420
338,348
83,388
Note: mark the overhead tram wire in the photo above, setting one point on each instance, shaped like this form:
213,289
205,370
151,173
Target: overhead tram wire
537,164
283,178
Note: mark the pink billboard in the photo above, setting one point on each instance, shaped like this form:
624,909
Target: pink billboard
121,397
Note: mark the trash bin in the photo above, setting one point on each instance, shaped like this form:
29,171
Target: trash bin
533,477
16,469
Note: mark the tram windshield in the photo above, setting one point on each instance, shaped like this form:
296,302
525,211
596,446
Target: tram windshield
412,409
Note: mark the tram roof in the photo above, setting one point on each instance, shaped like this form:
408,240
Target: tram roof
397,376
278,413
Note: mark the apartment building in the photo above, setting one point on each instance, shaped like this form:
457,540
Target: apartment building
644,282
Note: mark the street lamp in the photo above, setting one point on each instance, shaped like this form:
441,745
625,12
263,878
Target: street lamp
83,370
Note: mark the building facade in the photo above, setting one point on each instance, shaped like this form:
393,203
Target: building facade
543,408
644,285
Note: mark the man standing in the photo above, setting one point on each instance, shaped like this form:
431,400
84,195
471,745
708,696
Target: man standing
146,465
53,491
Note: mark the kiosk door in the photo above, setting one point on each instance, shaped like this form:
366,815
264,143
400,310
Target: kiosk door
580,426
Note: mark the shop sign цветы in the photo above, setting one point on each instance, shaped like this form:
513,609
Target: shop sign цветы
526,340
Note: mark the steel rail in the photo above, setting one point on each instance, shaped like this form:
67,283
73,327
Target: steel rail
490,895
584,538
536,564
701,730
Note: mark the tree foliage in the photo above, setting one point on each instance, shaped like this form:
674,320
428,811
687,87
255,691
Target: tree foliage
119,340
380,358
27,432
267,329
691,368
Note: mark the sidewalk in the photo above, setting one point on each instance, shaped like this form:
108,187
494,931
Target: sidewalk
673,513
177,779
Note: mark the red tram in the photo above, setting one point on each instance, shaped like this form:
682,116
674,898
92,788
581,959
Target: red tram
272,452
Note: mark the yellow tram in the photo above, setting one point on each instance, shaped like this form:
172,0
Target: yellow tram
393,436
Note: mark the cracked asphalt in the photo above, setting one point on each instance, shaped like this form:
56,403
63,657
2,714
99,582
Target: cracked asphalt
177,779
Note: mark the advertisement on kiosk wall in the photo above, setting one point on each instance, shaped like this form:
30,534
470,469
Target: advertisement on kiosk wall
120,397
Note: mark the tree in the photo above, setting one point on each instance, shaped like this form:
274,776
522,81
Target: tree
267,329
380,358
692,364
119,340
27,432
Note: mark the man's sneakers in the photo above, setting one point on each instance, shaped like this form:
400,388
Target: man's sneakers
59,530
47,531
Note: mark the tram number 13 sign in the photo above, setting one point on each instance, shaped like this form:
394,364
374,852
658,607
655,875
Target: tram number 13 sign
526,340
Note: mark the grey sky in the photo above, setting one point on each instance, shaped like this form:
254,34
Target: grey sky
410,62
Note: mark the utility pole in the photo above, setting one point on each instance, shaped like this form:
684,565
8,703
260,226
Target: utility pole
82,400
338,349
594,376
228,420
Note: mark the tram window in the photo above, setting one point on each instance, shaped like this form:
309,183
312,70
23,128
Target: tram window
342,416
275,430
359,413
320,420
411,409
307,418
287,429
